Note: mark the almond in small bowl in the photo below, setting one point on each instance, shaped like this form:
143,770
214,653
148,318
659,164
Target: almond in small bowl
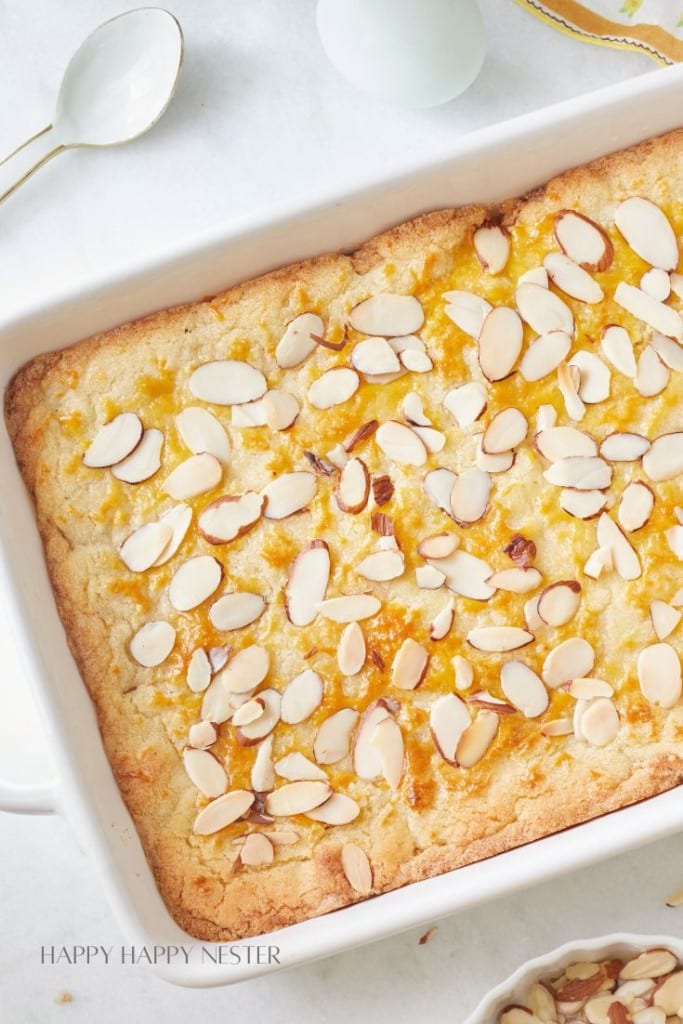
614,979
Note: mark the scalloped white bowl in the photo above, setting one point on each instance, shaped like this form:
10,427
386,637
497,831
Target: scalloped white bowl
514,988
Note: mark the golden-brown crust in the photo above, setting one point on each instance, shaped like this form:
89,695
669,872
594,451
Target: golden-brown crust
51,407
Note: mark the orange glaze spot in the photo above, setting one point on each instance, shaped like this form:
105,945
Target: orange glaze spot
131,588
419,784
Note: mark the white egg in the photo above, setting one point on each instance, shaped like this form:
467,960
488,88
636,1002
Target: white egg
415,53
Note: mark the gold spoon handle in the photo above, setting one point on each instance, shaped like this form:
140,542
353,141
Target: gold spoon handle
32,168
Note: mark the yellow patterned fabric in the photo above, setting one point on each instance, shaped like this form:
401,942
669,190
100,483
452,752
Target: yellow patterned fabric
653,26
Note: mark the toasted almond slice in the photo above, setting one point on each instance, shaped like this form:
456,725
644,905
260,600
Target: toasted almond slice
571,659
499,638
595,377
467,311
216,704
178,518
500,343
524,689
669,995
493,463
463,671
248,712
196,475
653,963
476,739
470,496
205,772
203,735
288,494
664,460
334,387
600,722
298,342
246,670
356,867
466,575
558,727
263,769
572,279
307,582
339,809
227,382
256,850
584,473
559,603
333,739
143,546
669,352
635,506
541,1002
153,643
230,517
354,486
401,444
195,581
653,313
297,797
366,761
409,666
114,441
439,545
507,430
544,355
516,580
626,560
656,282
301,697
555,443
222,812
438,485
251,414
381,566
622,446
374,356
466,402
352,608
387,314
648,232
296,768
543,310
351,652
280,409
598,562
652,375
588,688
583,240
449,716
387,741
583,504
617,347
674,538
201,432
531,617
664,618
235,611
492,246
144,461
198,671
568,380
248,735
441,624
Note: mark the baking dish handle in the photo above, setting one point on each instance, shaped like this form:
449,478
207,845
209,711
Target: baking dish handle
38,799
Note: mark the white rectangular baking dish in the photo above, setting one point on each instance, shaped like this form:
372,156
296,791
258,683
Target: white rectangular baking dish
489,165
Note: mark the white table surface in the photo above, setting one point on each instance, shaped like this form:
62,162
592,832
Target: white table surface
260,120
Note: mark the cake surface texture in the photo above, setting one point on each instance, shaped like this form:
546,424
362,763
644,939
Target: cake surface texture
372,566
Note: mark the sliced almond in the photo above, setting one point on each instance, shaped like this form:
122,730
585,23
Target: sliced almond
652,375
333,739
216,705
584,473
235,611
245,670
353,608
387,314
535,275
492,246
626,561
387,742
297,797
205,772
374,356
248,712
463,671
635,506
438,485
531,617
467,311
466,402
261,727
354,486
449,716
429,578
218,657
559,603
366,761
558,727
195,581
583,240
114,441
476,739
298,342
440,625
623,447
466,575
230,517
381,566
198,671
256,850
201,432
413,412
499,638
222,812
196,475
280,409
524,689
227,382
653,963
493,463
572,279
351,652
153,643
416,362
409,666
516,580
382,489
653,313
668,995
669,352
507,430
674,538
588,688
543,310
544,355
439,545
203,735
356,867
648,232
334,387
500,343
178,518
557,443
339,809
598,562
433,440
143,546
583,504
656,282
144,461
664,460
307,582
251,414
571,659
470,496
401,444
600,722
301,697
295,767
664,618
568,381
617,347
263,769
595,377
288,494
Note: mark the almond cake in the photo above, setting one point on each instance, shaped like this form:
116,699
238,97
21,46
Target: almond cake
372,566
